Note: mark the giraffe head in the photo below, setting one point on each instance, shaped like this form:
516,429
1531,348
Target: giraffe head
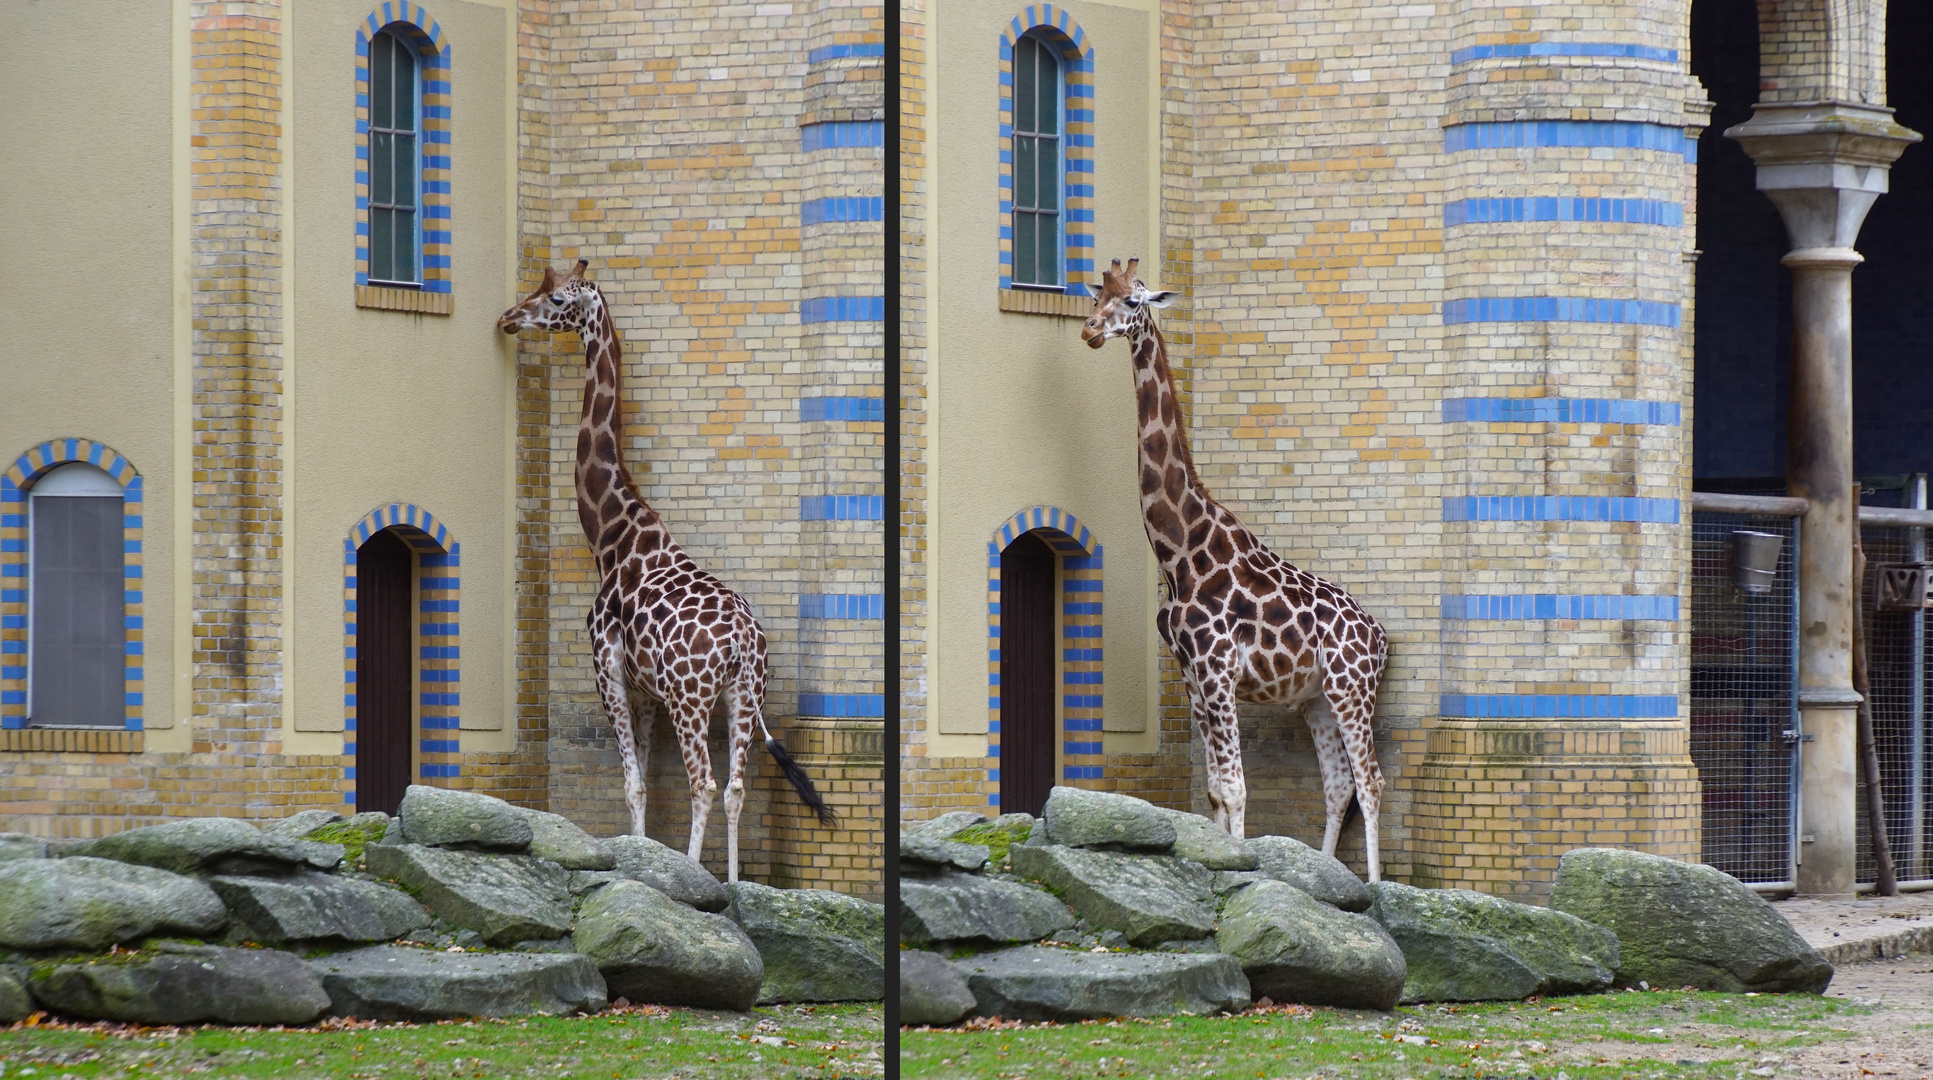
557,305
1121,303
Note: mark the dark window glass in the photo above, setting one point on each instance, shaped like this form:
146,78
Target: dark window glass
392,160
1036,164
77,632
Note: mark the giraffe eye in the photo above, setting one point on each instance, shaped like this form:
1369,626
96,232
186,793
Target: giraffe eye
557,298
1132,302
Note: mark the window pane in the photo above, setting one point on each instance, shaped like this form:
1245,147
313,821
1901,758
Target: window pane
1024,172
405,240
405,88
1048,197
1024,257
381,229
1049,93
1049,250
379,81
405,171
382,168
79,660
1023,85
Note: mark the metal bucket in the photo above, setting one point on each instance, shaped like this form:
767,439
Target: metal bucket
1755,560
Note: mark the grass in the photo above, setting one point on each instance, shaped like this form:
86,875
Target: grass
821,1042
1654,1034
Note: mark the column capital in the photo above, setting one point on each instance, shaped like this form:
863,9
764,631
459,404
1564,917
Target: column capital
1822,163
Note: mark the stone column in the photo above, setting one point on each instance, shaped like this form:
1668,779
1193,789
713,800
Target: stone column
1823,164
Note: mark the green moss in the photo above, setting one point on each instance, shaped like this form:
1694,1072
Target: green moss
994,837
352,836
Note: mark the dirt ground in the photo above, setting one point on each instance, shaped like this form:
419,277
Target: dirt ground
1895,1039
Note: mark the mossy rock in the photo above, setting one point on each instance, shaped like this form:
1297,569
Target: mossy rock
997,836
353,834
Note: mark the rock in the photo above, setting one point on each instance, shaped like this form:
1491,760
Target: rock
998,836
186,984
1227,881
1322,876
15,1003
931,990
317,907
1036,982
650,948
1680,924
944,826
587,881
1150,898
925,855
441,817
505,898
15,845
1198,839
554,837
1294,948
671,872
393,982
1077,818
218,845
1460,945
817,945
302,823
86,903
980,910
355,833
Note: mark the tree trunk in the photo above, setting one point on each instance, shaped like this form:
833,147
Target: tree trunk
1888,882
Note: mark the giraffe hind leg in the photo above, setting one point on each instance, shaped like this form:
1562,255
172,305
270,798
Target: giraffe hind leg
1338,783
1354,706
617,704
742,712
691,717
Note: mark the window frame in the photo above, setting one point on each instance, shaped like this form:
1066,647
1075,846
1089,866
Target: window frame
1043,45
416,135
34,493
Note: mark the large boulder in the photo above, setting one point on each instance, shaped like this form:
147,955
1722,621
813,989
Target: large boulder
1680,924
1078,818
390,982
1295,948
218,845
1149,898
998,836
669,871
441,817
186,984
87,903
1322,876
817,945
1199,839
925,855
1035,982
301,823
555,837
971,909
1460,945
651,948
944,826
317,907
505,898
15,1003
15,845
931,990
354,833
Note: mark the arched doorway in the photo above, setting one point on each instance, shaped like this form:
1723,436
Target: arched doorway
385,671
1027,669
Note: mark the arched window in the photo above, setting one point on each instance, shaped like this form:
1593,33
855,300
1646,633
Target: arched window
395,162
77,638
1038,125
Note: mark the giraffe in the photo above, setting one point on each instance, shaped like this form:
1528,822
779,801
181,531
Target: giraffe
664,633
1244,624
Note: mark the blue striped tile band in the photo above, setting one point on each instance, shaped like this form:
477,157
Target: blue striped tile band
1559,309
842,508
843,309
1625,211
1561,706
1559,508
842,134
821,211
838,706
1559,411
842,606
1565,48
1619,134
1078,772
838,52
1557,606
852,410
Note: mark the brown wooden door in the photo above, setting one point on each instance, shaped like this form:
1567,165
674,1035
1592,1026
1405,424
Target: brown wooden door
1026,675
384,672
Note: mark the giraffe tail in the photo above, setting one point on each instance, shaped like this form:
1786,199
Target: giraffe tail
801,782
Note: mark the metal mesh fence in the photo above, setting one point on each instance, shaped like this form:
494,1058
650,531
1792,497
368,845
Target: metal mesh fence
1896,664
1743,671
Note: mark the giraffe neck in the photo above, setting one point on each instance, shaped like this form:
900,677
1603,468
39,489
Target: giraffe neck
607,497
1173,499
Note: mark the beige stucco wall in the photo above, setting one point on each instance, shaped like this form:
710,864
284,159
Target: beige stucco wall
86,262
1026,415
396,407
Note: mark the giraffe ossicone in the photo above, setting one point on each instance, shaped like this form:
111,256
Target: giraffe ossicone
1243,623
664,633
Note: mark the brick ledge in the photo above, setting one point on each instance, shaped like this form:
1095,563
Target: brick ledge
71,740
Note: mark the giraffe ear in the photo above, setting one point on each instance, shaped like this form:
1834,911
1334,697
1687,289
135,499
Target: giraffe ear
1161,299
1093,290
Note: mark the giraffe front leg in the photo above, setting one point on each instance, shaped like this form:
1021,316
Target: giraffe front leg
1215,717
617,704
1338,784
692,720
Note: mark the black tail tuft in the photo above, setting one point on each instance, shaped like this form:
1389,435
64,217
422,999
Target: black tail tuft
802,783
